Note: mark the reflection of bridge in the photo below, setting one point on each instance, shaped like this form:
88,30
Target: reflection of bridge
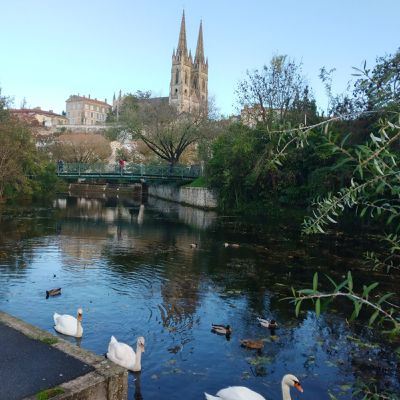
130,173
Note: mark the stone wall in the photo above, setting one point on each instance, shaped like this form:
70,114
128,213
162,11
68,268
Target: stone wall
193,196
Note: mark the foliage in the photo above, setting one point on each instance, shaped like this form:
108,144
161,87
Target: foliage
81,148
375,89
232,168
24,171
201,181
277,94
372,188
382,310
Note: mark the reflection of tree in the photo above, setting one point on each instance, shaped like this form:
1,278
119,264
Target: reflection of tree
16,230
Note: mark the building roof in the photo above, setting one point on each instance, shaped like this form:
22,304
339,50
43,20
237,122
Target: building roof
75,97
36,110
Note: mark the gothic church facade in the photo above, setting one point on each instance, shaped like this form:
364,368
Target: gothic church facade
189,78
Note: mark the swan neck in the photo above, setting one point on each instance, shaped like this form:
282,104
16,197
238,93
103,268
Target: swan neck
285,391
78,328
138,366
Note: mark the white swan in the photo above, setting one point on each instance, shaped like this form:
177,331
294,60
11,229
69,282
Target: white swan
123,355
69,325
241,392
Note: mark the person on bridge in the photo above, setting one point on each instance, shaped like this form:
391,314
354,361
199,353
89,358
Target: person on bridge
121,165
60,164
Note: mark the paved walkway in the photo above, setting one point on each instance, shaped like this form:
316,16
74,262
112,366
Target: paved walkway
28,366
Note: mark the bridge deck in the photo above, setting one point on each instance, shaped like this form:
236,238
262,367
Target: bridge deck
132,172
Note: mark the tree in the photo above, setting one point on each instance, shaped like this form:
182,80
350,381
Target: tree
164,130
375,90
276,94
23,170
81,148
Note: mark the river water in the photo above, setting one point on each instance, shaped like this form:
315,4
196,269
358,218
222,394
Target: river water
133,271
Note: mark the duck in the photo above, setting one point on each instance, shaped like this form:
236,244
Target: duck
193,245
252,344
242,392
69,325
235,245
221,329
123,354
266,323
53,292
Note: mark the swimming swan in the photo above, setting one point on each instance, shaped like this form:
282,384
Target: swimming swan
69,325
241,392
123,355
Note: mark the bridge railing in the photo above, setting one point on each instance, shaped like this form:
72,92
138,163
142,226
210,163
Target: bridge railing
130,169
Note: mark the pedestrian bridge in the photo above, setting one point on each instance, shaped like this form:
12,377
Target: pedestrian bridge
130,172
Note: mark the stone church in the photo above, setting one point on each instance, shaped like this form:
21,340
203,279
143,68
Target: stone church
189,78
188,90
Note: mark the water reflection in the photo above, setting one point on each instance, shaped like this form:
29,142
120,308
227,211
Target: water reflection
131,268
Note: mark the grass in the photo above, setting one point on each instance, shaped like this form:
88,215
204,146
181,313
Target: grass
198,182
49,340
49,393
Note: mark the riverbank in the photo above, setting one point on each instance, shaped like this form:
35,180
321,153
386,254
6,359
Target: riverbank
34,361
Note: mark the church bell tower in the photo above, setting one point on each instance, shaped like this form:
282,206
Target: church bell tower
189,79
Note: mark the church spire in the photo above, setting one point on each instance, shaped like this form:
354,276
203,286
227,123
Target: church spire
182,47
199,58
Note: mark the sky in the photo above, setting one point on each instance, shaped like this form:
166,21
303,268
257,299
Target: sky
53,49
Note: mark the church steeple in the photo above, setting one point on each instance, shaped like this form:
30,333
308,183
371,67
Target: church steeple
182,47
199,58
189,78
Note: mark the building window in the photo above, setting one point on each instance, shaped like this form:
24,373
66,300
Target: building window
177,77
185,78
204,84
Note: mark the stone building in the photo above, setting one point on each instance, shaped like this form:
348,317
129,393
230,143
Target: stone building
83,110
188,90
189,78
38,118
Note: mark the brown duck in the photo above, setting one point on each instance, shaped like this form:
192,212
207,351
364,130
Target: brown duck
252,344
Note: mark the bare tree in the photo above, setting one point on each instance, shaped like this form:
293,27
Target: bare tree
164,130
81,147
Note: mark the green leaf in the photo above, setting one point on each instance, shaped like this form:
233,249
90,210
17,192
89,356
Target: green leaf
373,317
298,305
315,282
349,281
370,287
384,298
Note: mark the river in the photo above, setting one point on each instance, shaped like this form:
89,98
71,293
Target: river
134,272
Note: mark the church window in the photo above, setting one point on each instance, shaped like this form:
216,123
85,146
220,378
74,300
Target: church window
185,78
176,91
177,76
185,91
204,85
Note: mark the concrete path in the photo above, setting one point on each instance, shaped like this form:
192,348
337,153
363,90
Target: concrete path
28,366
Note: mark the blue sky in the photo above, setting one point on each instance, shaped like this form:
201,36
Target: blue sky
52,49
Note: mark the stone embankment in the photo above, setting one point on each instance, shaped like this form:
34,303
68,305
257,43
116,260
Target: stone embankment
193,196
33,360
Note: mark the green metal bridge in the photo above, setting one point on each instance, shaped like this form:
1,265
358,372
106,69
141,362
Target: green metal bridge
130,173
